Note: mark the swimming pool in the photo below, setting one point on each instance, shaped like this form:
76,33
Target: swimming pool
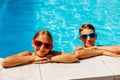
21,19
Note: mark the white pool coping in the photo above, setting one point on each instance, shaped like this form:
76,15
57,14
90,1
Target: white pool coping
96,68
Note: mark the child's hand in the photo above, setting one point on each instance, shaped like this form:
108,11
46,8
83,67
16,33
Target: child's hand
78,48
40,60
37,58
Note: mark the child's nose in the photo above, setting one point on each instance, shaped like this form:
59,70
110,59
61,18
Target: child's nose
88,37
42,47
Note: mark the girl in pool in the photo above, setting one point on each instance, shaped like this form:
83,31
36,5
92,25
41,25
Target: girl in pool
43,53
88,37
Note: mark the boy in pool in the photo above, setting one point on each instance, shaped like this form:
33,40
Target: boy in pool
88,38
42,44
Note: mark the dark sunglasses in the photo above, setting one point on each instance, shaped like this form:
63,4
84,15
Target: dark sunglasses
85,36
40,43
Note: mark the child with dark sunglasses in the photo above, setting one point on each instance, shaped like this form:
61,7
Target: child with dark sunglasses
88,37
43,53
85,36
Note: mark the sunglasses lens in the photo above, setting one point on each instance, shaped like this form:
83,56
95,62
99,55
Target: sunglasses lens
83,37
38,43
93,35
47,45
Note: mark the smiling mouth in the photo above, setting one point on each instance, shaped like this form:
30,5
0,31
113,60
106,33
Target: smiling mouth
40,53
88,42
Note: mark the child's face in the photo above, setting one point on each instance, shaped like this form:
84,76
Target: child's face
88,37
42,45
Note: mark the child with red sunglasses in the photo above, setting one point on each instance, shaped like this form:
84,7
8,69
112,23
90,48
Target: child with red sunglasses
43,53
88,37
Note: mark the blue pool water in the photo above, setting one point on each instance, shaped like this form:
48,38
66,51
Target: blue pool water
21,19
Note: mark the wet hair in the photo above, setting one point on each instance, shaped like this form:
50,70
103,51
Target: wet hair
43,32
86,26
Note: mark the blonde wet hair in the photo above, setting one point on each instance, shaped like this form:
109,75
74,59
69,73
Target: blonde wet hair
86,26
43,32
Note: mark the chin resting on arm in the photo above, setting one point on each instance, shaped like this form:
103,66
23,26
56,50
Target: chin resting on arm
59,57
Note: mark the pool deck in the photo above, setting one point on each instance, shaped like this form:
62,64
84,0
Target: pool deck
96,68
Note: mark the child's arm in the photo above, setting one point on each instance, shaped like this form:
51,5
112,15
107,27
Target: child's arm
114,49
64,58
91,52
86,53
57,57
18,59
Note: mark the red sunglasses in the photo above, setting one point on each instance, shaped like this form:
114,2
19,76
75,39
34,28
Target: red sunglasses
40,43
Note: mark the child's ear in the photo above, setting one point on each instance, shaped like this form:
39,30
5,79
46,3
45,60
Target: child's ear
33,44
52,46
96,36
81,40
